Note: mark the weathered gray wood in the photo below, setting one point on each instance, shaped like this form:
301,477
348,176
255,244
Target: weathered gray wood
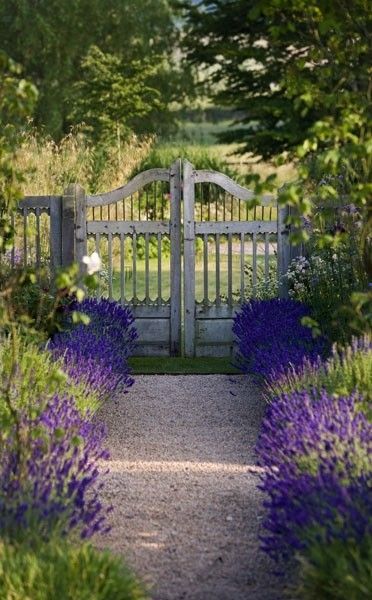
109,251
229,269
236,227
205,267
134,266
122,269
216,331
80,225
159,270
127,190
55,233
147,268
127,227
216,312
215,350
153,330
149,311
37,239
230,186
254,264
25,248
32,202
242,267
68,226
267,256
283,250
175,266
218,270
189,257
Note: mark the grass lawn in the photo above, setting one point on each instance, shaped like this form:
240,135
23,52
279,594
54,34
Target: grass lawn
150,365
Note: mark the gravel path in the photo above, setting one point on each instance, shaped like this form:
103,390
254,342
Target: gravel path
183,485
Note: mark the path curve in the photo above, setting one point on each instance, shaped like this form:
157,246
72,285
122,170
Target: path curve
183,485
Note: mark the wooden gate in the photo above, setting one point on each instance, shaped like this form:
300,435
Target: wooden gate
231,251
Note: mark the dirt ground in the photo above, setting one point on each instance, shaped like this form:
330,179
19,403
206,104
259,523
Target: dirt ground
183,485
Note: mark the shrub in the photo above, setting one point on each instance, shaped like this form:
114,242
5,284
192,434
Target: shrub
97,353
61,571
318,478
50,480
347,370
336,571
271,338
37,379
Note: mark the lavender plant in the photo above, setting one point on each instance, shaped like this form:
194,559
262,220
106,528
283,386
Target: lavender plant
96,353
53,482
271,338
318,472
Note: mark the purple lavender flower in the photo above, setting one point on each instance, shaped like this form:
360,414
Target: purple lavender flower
318,475
54,482
271,338
97,353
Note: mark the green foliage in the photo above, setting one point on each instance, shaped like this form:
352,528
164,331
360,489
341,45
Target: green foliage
202,157
345,372
325,281
113,95
36,380
53,49
336,571
41,571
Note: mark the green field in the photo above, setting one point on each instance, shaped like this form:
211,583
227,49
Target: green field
199,277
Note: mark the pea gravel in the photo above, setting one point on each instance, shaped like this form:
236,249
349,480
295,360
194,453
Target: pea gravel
182,481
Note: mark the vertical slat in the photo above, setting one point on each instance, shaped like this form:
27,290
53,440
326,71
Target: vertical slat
109,249
283,250
98,250
25,249
254,264
139,205
131,208
147,204
38,248
231,207
68,225
229,268
267,257
215,198
122,269
189,258
175,266
159,269
205,267
147,269
80,225
218,271
162,198
55,233
134,265
242,266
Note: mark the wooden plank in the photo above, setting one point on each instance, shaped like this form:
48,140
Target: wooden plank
236,227
55,233
68,226
189,258
229,269
242,267
214,331
267,256
216,351
134,266
147,268
283,250
205,267
153,330
143,311
32,202
122,269
159,270
80,226
128,227
25,226
175,261
254,265
153,349
230,186
218,271
37,238
109,251
133,186
216,312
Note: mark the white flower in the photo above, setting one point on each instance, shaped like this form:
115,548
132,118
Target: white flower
93,263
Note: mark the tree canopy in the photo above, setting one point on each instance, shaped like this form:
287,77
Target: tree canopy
53,40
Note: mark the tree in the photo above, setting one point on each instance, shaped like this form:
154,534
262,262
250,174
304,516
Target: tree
298,71
52,40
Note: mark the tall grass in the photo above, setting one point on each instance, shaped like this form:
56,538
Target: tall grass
48,166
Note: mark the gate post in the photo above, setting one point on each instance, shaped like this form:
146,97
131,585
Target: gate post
175,266
189,257
284,250
74,239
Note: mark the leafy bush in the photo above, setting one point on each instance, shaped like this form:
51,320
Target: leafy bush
49,473
60,571
271,338
97,353
346,371
37,379
316,451
337,571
